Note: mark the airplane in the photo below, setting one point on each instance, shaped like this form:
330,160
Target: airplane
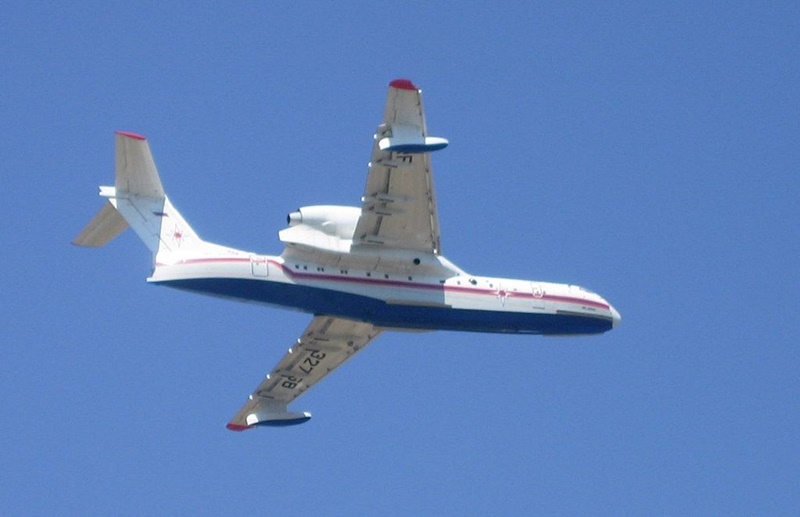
358,270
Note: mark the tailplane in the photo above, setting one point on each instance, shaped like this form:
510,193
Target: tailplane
137,200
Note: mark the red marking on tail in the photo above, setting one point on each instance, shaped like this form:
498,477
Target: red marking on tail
131,135
403,84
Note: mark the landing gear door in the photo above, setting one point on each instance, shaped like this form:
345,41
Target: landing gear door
538,295
259,266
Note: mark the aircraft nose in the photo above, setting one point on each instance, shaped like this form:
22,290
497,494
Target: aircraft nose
616,317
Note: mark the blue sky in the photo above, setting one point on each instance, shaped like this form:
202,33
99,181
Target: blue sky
646,151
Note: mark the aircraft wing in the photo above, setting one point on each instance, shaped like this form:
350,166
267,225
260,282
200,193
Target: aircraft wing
326,343
399,206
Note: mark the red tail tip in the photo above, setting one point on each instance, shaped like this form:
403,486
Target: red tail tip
131,135
403,84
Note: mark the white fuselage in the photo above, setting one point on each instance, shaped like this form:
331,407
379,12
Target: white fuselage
428,293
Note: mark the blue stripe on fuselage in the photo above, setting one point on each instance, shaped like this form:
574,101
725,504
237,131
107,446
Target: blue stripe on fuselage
316,300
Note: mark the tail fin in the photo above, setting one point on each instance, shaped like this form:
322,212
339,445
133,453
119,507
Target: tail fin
137,200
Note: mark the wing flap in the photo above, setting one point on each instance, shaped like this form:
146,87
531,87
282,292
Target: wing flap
325,344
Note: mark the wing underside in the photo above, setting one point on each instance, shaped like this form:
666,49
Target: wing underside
326,343
399,206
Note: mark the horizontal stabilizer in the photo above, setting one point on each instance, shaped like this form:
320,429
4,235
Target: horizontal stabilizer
107,224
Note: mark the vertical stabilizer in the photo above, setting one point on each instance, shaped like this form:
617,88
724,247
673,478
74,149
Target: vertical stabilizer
135,170
137,200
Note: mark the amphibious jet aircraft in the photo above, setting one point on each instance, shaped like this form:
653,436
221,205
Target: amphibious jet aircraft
358,270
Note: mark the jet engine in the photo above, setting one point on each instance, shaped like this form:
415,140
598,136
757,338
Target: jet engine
324,227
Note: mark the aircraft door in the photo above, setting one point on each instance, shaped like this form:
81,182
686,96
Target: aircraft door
538,295
259,266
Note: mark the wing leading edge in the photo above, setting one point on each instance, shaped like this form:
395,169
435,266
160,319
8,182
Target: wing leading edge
326,343
399,206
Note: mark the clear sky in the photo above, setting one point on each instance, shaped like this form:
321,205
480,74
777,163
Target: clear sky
648,152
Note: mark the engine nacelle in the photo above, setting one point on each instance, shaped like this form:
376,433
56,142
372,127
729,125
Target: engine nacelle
324,227
339,221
